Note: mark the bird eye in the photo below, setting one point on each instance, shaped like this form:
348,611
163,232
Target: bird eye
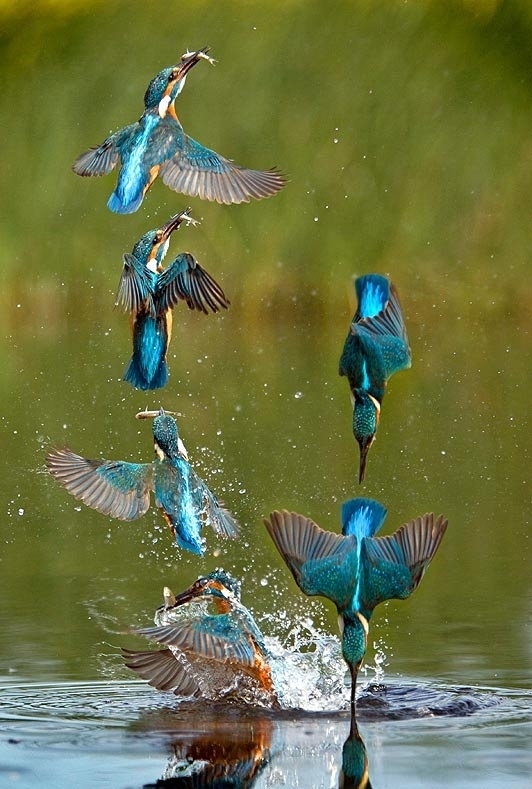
157,238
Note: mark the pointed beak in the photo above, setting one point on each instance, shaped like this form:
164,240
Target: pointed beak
364,450
174,222
189,60
178,75
168,597
185,597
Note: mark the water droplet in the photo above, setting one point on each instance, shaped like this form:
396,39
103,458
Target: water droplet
298,395
21,510
264,582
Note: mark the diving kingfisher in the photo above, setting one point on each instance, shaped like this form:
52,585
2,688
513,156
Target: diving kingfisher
375,348
156,145
150,292
356,570
206,653
122,490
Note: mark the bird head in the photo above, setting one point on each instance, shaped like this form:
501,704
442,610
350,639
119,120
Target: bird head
165,436
366,414
152,247
168,83
355,629
218,586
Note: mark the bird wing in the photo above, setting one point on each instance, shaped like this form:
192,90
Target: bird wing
216,637
135,289
115,488
185,279
199,172
161,669
388,330
221,521
321,562
103,158
393,566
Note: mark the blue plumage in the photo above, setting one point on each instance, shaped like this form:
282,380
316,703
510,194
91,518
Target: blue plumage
375,348
147,368
362,517
217,641
356,570
156,145
122,490
373,291
150,292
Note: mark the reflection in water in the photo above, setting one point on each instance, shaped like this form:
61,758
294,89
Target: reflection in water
222,754
355,765
229,745
232,743
224,757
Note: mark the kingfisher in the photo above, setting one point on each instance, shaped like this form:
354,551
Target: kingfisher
122,490
355,569
150,291
211,645
355,764
216,753
156,145
375,348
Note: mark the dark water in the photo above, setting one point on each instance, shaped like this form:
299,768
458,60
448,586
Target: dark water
405,131
122,734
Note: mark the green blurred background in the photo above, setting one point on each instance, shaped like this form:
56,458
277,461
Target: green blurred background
404,129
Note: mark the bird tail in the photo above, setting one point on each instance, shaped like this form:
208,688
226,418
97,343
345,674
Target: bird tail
120,205
373,291
135,375
362,517
147,368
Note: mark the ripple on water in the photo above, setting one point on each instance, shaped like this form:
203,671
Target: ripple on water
60,709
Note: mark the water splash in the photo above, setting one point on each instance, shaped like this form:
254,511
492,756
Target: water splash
307,666
379,662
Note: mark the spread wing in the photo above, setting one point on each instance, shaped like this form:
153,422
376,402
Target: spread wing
393,566
199,172
115,488
103,158
161,669
221,521
321,562
216,637
185,279
135,288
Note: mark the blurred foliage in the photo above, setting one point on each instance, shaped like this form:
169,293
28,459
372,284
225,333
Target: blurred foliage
404,129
